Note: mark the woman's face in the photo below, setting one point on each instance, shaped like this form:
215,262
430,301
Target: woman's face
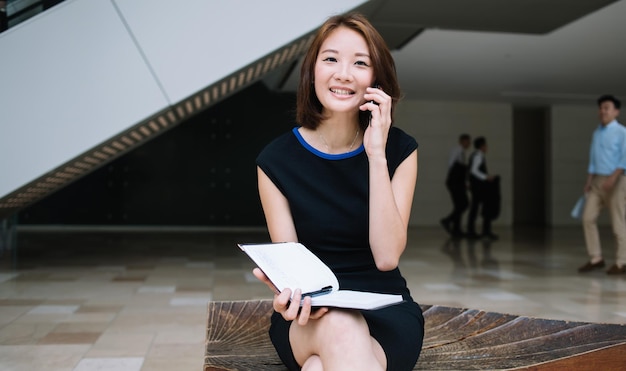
343,71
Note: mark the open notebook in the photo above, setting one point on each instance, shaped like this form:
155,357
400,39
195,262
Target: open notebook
291,265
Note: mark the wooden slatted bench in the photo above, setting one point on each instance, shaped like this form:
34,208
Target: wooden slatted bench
455,339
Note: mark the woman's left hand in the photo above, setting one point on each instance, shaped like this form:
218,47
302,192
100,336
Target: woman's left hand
375,137
290,309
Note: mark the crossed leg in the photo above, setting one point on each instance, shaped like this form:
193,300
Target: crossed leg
339,340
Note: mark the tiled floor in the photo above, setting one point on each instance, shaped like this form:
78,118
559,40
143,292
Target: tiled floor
137,300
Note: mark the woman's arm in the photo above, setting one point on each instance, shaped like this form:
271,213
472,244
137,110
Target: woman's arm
390,209
276,209
282,229
390,200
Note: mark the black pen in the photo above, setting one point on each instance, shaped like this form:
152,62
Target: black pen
322,291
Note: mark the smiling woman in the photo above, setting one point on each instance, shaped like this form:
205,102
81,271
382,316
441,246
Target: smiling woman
342,72
342,184
372,55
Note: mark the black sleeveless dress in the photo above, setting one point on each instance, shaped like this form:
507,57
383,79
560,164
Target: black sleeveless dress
329,196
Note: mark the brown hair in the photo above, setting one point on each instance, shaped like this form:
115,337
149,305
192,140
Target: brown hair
308,107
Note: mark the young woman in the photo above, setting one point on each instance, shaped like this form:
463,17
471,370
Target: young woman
342,184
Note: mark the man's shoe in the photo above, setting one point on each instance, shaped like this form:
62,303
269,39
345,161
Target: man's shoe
616,270
591,266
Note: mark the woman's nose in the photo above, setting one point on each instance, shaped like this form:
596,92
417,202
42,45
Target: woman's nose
343,73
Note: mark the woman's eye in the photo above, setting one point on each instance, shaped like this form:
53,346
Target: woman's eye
361,63
330,59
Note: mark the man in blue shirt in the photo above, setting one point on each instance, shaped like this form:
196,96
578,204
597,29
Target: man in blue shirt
606,186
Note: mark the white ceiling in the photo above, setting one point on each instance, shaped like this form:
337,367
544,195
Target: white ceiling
575,63
582,55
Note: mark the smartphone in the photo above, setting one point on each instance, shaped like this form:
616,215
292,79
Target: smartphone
375,85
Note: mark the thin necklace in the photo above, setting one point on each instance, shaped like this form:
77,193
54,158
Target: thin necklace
351,145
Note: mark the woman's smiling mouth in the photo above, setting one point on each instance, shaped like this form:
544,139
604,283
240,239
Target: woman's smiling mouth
342,91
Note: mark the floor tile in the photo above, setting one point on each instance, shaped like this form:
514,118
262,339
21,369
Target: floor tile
54,309
201,301
20,302
99,309
24,334
178,364
110,364
70,338
156,289
122,344
41,357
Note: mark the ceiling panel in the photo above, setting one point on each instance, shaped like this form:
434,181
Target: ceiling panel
520,16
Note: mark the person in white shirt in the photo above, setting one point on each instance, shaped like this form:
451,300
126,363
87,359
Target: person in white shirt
456,182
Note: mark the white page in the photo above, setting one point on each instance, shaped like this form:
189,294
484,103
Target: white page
356,300
291,265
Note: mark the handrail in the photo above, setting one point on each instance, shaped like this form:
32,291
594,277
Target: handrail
4,21
34,8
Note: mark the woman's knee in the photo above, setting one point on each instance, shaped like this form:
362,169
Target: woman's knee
333,326
339,337
313,363
346,325
339,318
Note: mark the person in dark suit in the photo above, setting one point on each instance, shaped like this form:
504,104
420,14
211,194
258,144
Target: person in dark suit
456,182
479,180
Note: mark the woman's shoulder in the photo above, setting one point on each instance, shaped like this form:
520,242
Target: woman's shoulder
280,142
401,142
276,150
400,146
399,136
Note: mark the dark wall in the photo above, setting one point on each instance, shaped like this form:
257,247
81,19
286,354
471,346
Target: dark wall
199,173
531,142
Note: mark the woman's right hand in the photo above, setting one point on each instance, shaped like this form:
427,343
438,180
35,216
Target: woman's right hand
288,307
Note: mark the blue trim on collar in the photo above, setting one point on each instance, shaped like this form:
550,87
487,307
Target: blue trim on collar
327,156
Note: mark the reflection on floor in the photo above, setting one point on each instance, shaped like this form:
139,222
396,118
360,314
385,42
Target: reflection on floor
137,300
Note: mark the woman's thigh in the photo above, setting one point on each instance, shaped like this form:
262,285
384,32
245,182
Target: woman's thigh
399,329
339,337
